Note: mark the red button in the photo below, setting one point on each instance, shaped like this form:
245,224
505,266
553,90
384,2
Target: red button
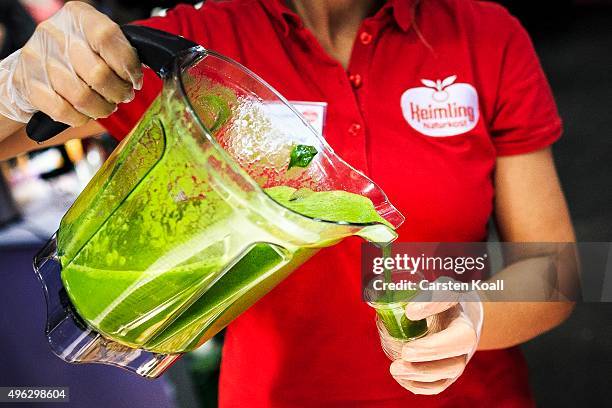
365,38
355,80
354,129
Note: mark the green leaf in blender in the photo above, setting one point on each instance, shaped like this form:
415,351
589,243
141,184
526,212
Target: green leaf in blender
335,205
302,155
301,194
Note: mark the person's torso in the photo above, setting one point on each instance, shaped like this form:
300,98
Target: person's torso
412,112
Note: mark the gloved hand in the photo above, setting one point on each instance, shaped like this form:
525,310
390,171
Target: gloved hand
77,65
430,364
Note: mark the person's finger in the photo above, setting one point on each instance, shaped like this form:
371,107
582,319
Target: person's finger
429,371
48,101
70,87
421,310
35,83
106,39
97,74
459,338
425,388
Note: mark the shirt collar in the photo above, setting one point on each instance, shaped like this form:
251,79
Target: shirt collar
282,14
401,10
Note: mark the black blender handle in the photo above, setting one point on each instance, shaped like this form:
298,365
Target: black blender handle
156,49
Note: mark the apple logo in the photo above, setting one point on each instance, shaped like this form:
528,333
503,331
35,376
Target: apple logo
441,108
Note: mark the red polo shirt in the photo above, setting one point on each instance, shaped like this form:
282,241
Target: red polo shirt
429,100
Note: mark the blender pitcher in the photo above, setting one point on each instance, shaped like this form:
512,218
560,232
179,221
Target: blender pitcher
176,235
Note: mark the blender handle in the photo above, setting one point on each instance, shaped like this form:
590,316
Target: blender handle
156,49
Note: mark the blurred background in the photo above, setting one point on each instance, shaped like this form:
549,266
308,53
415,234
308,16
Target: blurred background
570,366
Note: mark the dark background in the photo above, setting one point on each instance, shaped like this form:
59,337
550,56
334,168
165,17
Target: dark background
569,366
572,365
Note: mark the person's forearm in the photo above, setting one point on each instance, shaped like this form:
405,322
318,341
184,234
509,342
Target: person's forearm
19,143
8,127
13,113
508,324
530,207
537,296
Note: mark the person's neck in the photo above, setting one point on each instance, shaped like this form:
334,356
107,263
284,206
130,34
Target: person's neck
335,22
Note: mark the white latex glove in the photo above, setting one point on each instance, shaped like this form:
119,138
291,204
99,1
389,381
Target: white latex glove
432,363
77,65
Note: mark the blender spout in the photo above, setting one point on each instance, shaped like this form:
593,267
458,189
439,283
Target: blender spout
388,211
378,233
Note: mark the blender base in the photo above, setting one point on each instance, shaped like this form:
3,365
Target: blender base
72,340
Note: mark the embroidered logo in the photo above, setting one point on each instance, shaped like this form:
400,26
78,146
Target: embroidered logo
441,108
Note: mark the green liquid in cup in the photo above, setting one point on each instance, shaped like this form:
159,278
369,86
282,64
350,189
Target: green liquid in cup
393,317
390,307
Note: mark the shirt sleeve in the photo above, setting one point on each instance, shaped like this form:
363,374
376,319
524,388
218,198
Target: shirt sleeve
121,122
526,117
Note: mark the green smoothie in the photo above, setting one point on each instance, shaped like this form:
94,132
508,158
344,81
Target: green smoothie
135,307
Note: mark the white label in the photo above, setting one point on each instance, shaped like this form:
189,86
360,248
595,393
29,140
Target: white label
313,112
441,108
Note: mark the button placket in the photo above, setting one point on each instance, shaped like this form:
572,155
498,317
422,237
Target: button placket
354,129
361,52
365,37
355,80
357,75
